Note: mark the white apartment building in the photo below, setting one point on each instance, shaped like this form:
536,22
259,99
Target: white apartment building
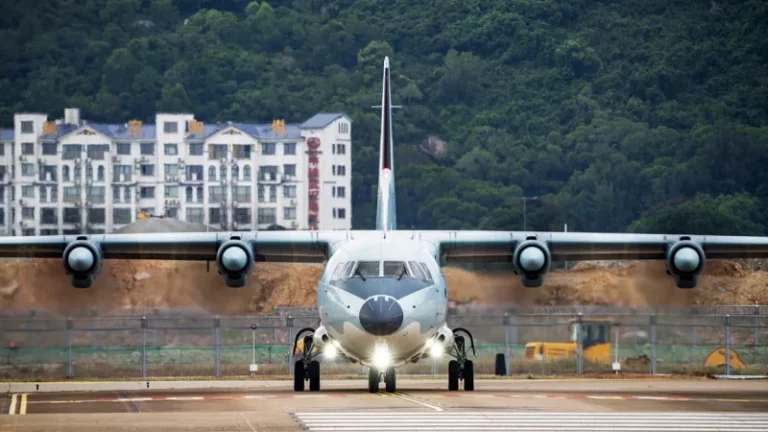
69,176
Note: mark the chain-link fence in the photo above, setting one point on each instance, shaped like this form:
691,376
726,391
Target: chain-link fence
536,341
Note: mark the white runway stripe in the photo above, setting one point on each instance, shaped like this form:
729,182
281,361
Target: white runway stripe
527,421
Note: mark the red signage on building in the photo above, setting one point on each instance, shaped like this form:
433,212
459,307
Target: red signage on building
313,173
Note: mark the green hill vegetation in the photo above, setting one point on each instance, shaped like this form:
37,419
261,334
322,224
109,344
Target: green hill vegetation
640,115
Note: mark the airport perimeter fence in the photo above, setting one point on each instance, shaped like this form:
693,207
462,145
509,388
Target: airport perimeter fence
163,344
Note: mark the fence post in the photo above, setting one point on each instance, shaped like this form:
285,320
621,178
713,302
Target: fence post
653,344
727,345
217,342
579,339
506,338
757,329
70,326
289,324
144,347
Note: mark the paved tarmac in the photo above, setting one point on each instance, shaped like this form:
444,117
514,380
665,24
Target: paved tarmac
616,405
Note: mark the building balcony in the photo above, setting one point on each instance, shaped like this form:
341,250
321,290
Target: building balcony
271,178
191,179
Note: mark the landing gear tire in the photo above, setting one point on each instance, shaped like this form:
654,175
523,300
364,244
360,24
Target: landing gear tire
389,380
298,376
453,375
373,380
314,375
469,376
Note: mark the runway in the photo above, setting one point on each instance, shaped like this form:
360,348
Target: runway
526,405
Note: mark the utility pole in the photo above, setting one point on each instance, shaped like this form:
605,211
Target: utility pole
525,210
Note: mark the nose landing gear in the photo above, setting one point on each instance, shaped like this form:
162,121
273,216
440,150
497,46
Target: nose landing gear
461,369
306,368
375,377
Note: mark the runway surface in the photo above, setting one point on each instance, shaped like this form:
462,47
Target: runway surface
526,405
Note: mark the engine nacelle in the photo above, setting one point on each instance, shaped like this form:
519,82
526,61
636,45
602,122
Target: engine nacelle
532,260
685,260
235,262
82,262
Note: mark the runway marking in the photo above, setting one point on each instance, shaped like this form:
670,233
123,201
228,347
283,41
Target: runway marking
532,421
12,408
402,396
23,406
249,423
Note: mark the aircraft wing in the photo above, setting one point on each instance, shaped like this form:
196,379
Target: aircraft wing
273,246
499,246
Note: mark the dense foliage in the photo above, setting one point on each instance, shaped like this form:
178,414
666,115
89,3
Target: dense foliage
648,115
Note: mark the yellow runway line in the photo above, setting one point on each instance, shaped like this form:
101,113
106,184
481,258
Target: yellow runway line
12,409
23,406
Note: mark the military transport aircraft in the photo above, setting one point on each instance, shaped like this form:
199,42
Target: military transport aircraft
382,297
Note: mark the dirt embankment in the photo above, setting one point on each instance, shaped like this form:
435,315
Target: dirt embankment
41,284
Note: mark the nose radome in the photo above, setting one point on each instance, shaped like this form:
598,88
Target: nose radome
381,315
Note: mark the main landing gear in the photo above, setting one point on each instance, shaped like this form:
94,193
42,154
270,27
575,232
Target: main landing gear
306,368
375,377
461,369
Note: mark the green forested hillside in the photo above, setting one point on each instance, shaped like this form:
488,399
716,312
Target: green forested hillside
645,115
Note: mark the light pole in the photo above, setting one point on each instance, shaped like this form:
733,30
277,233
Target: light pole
525,210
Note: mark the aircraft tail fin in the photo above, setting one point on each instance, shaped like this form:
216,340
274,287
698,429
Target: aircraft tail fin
385,207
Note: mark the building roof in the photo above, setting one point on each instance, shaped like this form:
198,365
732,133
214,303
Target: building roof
321,120
6,134
120,131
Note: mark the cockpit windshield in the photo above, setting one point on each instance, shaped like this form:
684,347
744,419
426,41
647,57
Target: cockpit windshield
368,268
395,268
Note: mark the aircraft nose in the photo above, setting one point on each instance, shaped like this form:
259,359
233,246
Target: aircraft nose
381,315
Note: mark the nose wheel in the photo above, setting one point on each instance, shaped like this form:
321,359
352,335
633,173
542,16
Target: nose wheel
461,369
375,376
306,368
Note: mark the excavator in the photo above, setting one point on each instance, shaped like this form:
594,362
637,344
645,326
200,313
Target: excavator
596,347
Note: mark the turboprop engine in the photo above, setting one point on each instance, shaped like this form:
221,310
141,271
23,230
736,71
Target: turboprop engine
531,261
82,261
235,262
685,260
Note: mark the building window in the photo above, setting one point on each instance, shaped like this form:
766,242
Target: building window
289,148
171,191
217,194
88,172
289,170
195,149
71,215
49,149
121,215
2,194
289,213
189,194
339,213
339,192
223,172
261,193
194,172
147,192
122,173
268,173
27,213
27,148
28,191
343,128
171,150
43,194
27,170
211,173
218,151
243,151
27,127
235,172
289,191
247,173
171,170
96,152
71,151
124,149
48,173
127,194
268,148
199,194
2,149
96,215
242,216
341,149
54,194
95,194
241,194
273,193
339,170
147,170
267,216
116,194
195,215
214,215
2,216
65,173
100,174
49,216
170,127
148,149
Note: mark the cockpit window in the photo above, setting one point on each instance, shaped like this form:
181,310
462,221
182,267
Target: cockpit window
395,268
368,268
426,271
416,269
337,274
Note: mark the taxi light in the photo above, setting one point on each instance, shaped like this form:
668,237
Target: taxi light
330,352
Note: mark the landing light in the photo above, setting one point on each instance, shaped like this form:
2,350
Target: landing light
330,352
381,357
436,351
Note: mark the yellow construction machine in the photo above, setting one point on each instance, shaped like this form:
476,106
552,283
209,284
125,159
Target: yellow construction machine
595,338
